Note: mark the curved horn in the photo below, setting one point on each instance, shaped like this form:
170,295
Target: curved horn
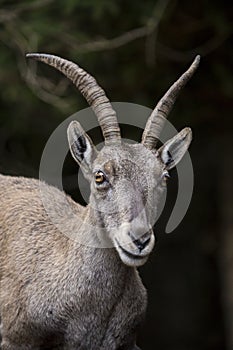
92,92
157,118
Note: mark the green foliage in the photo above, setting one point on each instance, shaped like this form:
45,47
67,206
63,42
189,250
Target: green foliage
136,70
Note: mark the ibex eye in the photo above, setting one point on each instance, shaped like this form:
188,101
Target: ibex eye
166,175
99,177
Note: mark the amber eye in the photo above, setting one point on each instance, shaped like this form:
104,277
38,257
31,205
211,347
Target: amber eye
99,177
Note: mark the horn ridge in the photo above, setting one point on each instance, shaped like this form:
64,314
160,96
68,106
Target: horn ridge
160,113
90,90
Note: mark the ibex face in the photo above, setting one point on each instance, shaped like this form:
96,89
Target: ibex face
127,198
126,183
126,180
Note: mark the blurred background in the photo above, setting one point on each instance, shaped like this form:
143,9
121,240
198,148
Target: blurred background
136,49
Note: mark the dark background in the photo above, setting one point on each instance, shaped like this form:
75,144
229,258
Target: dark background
136,49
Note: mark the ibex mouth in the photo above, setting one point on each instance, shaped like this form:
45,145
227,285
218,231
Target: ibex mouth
131,255
129,258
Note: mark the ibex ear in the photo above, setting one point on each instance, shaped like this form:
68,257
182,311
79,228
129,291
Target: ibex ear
81,147
174,149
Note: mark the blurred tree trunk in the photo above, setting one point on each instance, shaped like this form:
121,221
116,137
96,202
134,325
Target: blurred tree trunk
226,250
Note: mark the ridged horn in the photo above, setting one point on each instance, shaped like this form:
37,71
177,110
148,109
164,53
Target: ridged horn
157,118
92,92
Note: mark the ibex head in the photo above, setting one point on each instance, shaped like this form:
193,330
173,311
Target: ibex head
126,180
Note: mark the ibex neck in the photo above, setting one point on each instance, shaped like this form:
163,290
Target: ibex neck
95,250
93,224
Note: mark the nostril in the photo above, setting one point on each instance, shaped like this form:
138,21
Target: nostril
140,244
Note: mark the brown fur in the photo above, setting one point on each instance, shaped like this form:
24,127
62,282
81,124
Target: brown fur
55,291
59,290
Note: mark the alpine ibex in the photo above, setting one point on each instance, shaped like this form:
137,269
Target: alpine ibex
57,293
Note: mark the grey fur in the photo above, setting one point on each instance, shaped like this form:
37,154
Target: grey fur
57,293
